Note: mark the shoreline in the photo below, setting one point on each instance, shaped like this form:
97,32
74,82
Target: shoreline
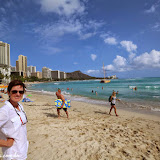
105,105
128,106
137,100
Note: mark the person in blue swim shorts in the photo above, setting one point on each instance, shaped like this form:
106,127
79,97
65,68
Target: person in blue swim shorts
60,96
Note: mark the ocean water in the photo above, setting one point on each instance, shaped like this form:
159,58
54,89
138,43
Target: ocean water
146,96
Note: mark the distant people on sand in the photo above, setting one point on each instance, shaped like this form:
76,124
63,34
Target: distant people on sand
60,96
113,103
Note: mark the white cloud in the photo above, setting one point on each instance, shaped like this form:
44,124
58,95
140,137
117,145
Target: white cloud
50,50
63,7
143,61
131,56
93,57
109,67
92,72
129,46
75,63
119,65
87,35
110,40
5,29
53,31
152,9
120,61
94,24
2,24
58,29
148,60
156,27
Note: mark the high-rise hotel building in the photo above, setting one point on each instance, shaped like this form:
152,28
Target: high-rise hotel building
21,65
5,61
4,54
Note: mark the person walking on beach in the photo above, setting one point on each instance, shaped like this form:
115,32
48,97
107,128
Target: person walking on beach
60,96
113,103
13,119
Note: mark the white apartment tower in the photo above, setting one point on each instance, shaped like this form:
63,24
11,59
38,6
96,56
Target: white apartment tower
31,69
4,54
21,64
63,75
5,61
46,72
55,74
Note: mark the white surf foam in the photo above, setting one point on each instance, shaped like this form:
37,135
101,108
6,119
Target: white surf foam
155,109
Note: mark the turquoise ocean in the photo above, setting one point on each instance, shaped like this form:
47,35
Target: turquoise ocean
147,95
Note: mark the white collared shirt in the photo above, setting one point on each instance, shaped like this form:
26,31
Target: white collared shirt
11,127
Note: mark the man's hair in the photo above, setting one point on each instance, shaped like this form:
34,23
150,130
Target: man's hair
16,83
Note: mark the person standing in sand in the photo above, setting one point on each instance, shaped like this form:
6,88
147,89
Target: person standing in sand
113,103
60,96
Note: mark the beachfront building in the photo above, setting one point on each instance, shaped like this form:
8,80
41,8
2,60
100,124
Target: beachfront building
55,74
5,61
62,75
37,74
21,65
13,68
112,77
28,74
30,70
46,72
58,75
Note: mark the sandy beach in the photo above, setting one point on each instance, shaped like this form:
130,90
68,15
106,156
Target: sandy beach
90,133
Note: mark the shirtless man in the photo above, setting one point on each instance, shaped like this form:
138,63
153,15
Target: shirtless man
60,96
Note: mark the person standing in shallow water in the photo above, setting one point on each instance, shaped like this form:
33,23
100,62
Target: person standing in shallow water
60,96
113,103
13,119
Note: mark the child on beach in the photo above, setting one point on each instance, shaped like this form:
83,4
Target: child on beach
113,103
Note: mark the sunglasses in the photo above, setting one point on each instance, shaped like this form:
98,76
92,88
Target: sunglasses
15,91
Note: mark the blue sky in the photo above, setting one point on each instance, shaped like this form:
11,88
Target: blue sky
70,35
